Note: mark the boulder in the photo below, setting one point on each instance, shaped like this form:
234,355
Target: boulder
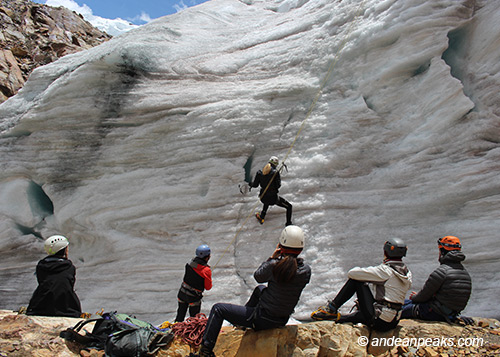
22,335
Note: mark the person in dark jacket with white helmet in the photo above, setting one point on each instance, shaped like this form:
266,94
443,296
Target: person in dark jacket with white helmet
380,289
269,307
197,278
269,180
55,294
447,290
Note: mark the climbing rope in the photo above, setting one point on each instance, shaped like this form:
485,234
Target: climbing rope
191,331
308,114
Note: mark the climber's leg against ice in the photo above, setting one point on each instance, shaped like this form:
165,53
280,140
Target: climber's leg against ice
285,204
260,216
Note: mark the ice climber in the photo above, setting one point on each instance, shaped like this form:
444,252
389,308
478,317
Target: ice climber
197,278
447,290
380,289
55,294
270,181
269,307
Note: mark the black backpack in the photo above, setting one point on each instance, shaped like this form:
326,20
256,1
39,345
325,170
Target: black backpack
120,335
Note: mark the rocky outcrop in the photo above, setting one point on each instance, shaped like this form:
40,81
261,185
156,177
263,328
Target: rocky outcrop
411,338
33,35
22,335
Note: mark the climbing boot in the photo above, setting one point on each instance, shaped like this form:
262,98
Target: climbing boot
259,218
328,312
205,352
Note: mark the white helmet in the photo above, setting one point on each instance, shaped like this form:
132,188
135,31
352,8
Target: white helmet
292,237
55,243
274,161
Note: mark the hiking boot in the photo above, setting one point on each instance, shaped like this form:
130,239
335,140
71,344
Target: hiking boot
327,312
259,218
205,352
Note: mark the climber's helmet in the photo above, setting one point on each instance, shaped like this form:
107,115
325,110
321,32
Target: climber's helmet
55,243
395,248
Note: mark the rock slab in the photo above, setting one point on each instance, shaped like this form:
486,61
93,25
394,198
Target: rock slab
22,335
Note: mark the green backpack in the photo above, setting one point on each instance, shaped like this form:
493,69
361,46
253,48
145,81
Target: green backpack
120,335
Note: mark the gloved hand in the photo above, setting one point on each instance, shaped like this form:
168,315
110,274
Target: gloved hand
466,320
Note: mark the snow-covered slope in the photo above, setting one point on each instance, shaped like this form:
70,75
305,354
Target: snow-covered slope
386,112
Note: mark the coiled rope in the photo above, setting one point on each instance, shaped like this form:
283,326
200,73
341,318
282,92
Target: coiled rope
191,330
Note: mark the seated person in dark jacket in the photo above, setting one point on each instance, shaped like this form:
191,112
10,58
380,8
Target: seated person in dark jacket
55,273
447,290
268,307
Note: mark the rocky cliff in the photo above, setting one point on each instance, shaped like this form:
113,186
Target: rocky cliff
22,335
33,35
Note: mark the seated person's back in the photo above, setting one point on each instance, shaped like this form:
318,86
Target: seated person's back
55,295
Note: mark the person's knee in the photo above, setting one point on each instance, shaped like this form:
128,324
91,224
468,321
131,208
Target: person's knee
218,309
358,283
410,311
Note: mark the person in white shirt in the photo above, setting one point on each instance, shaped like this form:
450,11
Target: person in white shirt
380,290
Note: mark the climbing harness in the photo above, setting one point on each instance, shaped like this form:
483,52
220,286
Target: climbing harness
191,331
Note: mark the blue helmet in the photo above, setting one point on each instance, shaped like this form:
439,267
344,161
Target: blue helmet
203,251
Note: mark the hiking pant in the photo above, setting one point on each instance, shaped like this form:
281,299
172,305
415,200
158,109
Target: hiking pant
366,311
249,315
281,202
422,311
194,309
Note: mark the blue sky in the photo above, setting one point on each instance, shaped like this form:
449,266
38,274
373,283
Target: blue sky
137,12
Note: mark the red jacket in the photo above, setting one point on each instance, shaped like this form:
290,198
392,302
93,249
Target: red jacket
198,275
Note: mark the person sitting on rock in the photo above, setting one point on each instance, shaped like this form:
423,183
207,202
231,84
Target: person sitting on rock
268,307
381,291
270,181
447,290
197,278
55,294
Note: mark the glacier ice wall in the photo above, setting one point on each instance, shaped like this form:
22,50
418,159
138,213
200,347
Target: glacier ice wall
386,112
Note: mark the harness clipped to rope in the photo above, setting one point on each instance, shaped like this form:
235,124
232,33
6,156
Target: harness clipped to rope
191,331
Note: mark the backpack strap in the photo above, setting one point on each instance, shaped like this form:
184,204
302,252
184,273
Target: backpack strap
160,340
73,335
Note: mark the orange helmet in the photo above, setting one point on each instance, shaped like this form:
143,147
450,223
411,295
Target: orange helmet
449,243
